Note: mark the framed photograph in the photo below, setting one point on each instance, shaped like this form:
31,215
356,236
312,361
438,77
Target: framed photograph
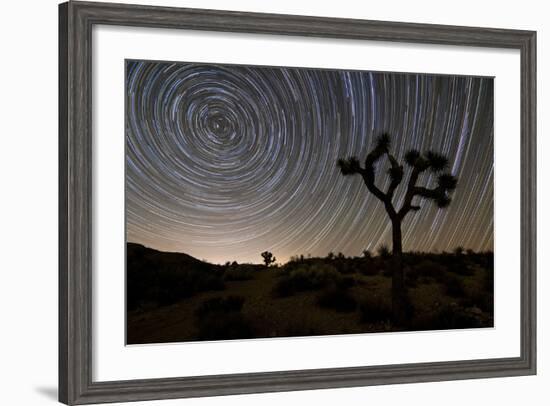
256,202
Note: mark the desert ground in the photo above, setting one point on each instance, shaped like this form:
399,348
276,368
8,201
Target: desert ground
173,297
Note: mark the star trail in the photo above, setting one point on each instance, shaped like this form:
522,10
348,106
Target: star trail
224,161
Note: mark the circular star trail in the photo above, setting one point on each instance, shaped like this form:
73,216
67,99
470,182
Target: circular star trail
224,162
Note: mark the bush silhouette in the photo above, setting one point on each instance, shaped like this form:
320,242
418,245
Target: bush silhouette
240,273
450,316
384,251
454,286
346,282
369,270
479,298
460,268
428,269
374,310
337,298
220,318
306,278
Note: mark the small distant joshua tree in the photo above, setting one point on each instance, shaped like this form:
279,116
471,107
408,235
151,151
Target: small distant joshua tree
268,258
419,163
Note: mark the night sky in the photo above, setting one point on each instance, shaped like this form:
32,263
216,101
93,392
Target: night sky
224,162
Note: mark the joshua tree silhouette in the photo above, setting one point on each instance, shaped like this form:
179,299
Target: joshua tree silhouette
268,258
419,163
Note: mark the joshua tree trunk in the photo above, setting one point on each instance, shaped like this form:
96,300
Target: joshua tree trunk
399,294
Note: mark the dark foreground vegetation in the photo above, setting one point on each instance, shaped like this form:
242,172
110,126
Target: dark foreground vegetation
174,297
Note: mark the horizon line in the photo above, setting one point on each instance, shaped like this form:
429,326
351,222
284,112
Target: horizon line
309,256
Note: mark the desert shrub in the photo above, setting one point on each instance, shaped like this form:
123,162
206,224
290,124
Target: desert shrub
240,273
346,282
368,270
444,259
220,318
345,266
484,259
454,286
374,309
387,270
297,259
481,300
460,268
219,305
297,262
384,251
412,277
448,317
429,269
351,265
229,326
338,299
286,286
306,278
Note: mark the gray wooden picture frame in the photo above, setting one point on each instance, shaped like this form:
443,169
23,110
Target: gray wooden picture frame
76,20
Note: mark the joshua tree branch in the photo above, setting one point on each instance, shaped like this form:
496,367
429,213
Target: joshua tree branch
396,175
369,181
438,194
428,193
351,166
407,203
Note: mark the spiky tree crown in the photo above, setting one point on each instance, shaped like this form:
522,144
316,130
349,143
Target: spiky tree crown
430,160
349,166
